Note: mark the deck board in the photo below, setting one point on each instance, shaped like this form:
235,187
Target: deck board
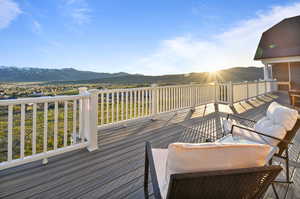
116,169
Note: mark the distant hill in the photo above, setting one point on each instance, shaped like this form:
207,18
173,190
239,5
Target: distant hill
15,74
73,76
236,74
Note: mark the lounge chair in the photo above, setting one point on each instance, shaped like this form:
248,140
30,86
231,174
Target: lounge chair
282,143
248,182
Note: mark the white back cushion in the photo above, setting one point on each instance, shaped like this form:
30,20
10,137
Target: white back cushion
282,115
266,126
184,157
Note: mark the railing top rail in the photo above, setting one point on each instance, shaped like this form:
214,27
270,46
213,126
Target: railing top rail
253,82
149,88
74,97
41,99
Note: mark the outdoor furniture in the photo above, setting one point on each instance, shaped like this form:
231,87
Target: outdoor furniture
294,94
293,98
282,144
238,183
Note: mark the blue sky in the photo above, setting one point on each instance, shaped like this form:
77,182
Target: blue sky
136,36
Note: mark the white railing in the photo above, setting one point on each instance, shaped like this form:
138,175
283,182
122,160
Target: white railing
121,105
38,128
247,90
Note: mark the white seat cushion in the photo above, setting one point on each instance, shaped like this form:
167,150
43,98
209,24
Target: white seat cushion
266,126
246,134
186,158
282,115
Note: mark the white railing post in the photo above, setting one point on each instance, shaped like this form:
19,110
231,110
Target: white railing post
215,97
231,100
265,86
192,96
83,105
92,117
257,88
154,99
247,84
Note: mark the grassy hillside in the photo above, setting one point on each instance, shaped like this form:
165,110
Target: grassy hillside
233,74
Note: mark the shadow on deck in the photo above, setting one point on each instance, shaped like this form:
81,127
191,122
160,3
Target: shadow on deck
116,169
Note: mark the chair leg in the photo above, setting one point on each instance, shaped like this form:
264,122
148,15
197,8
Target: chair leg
275,191
287,168
146,174
286,159
273,186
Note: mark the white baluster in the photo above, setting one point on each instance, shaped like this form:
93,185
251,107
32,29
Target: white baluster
160,100
102,108
147,102
65,123
112,107
107,108
117,108
122,106
74,121
131,103
55,124
9,131
22,131
143,102
134,105
126,95
45,143
45,140
139,102
34,129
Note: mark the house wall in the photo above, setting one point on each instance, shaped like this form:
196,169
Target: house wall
287,79
295,75
280,72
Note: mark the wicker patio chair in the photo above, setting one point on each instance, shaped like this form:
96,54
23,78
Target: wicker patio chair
283,145
248,183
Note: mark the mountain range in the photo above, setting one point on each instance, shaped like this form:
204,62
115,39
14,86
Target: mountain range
16,74
70,75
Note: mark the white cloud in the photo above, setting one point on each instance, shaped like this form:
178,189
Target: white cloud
9,10
234,47
36,27
81,15
78,10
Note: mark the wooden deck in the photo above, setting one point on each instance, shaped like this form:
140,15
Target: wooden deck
116,169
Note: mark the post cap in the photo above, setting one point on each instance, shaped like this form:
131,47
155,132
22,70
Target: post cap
82,89
93,91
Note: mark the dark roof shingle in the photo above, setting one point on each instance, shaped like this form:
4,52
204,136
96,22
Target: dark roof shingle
281,40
